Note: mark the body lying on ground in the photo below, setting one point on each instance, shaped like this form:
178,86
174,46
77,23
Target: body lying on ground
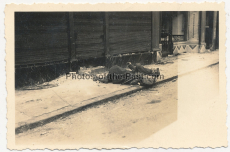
136,75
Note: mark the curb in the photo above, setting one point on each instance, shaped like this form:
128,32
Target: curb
66,111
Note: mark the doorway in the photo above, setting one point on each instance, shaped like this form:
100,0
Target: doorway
166,33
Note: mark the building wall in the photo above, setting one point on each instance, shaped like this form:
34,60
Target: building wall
88,34
129,32
203,33
40,38
86,38
45,37
193,27
45,40
193,34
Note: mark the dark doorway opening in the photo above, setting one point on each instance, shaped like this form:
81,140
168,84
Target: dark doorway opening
166,33
209,27
217,31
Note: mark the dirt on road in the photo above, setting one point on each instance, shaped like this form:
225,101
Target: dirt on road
120,122
141,117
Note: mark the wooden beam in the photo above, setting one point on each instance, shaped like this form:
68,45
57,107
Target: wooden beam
106,33
106,40
71,43
203,24
155,35
170,45
214,31
186,26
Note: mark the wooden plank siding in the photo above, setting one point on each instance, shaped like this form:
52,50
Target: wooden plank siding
40,37
129,32
89,36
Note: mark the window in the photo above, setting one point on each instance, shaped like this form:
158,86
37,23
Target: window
178,27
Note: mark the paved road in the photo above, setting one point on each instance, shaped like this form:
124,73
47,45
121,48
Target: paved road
127,120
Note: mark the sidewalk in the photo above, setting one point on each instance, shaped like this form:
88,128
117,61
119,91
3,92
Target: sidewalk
38,107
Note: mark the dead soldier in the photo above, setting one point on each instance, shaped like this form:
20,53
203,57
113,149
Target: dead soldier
136,74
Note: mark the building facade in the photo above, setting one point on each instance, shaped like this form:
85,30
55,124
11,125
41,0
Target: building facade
73,39
194,31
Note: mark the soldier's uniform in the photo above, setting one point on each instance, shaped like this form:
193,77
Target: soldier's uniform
137,74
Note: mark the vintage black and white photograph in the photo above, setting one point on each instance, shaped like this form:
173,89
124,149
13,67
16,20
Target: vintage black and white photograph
116,77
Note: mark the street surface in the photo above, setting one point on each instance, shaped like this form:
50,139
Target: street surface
127,120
